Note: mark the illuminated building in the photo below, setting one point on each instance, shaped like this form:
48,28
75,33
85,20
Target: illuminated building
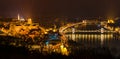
110,21
17,28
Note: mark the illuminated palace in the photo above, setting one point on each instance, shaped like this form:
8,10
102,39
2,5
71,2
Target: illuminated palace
22,27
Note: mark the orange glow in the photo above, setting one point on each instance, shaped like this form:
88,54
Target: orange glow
110,21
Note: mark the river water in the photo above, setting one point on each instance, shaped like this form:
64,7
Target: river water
109,40
96,39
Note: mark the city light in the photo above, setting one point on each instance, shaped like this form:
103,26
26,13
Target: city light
111,21
60,40
60,29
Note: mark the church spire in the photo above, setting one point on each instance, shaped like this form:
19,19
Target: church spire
18,17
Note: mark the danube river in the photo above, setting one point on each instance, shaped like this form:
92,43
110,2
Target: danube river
96,39
109,40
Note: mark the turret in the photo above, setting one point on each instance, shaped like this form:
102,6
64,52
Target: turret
29,21
18,17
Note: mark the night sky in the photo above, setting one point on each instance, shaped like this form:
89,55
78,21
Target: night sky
51,8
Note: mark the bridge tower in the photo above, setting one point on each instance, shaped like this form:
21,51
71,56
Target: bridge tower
102,30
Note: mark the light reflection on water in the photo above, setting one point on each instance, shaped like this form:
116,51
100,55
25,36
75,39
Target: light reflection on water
110,41
100,39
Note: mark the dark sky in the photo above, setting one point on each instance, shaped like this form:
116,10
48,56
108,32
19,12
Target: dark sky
50,8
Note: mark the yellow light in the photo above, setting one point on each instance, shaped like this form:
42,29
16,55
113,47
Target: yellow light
54,30
29,21
50,28
116,29
61,46
64,50
110,21
47,29
46,32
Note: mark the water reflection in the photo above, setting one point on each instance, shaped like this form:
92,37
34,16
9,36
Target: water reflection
73,37
100,39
